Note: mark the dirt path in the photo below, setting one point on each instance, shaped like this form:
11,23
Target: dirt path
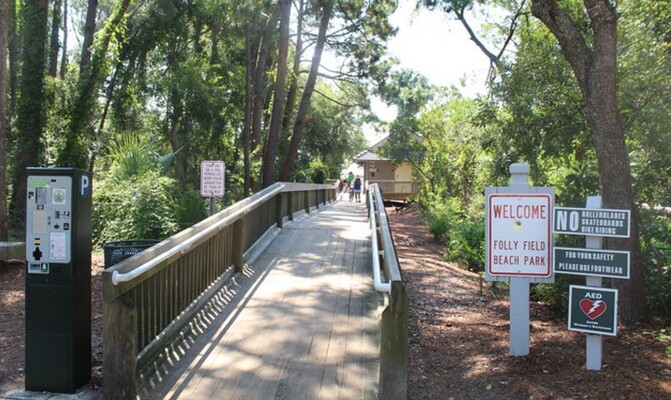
459,339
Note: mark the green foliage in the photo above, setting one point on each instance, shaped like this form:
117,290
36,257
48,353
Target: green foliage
441,216
463,234
656,247
333,133
466,244
439,226
142,207
556,294
131,156
536,113
136,200
664,335
301,176
191,209
645,71
319,174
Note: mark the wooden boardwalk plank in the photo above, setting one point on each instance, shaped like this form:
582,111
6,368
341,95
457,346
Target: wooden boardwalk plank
307,328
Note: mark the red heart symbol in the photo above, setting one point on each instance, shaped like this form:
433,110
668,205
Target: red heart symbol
593,309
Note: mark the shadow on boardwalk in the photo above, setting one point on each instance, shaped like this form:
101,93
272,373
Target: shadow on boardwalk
303,323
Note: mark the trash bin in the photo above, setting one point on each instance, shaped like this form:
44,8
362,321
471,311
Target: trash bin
115,252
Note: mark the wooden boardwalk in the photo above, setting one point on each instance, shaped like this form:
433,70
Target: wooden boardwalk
307,326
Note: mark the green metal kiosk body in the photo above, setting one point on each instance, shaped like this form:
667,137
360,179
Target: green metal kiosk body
58,279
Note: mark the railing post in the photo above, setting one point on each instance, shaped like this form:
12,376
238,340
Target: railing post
239,244
120,349
394,345
279,213
307,201
290,205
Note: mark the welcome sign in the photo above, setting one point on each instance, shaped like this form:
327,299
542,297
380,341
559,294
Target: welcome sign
519,234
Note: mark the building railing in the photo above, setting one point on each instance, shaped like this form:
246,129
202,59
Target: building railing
406,188
149,298
387,279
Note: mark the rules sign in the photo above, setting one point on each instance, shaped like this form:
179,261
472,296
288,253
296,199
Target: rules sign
519,235
212,174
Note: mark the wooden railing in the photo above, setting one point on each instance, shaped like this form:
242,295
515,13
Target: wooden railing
394,190
394,324
149,298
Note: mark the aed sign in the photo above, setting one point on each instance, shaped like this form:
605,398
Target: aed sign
592,310
212,175
592,222
519,235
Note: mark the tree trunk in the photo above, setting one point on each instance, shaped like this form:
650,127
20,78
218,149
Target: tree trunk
78,132
14,56
64,54
54,44
595,69
270,153
293,87
176,119
4,23
214,48
301,115
247,124
89,31
30,109
258,94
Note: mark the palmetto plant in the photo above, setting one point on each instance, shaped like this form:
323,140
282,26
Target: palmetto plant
132,155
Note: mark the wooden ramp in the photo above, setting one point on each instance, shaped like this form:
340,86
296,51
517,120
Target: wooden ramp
307,326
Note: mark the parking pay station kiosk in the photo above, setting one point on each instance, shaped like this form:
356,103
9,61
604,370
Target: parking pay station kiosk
58,279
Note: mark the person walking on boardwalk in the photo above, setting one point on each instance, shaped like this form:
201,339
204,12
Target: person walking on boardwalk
357,186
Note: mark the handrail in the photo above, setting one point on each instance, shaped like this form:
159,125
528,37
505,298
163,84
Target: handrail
394,321
377,280
118,277
154,296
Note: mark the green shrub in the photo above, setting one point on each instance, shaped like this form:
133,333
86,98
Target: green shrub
142,207
319,174
466,245
656,247
439,226
556,294
191,209
131,156
440,216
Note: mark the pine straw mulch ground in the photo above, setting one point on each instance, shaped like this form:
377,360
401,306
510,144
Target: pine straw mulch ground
12,325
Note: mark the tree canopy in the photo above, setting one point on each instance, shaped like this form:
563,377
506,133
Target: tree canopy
579,89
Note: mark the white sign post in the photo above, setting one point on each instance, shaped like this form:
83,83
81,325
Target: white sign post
593,343
595,223
212,178
518,245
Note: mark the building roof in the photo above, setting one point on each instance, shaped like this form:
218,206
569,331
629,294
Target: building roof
370,155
